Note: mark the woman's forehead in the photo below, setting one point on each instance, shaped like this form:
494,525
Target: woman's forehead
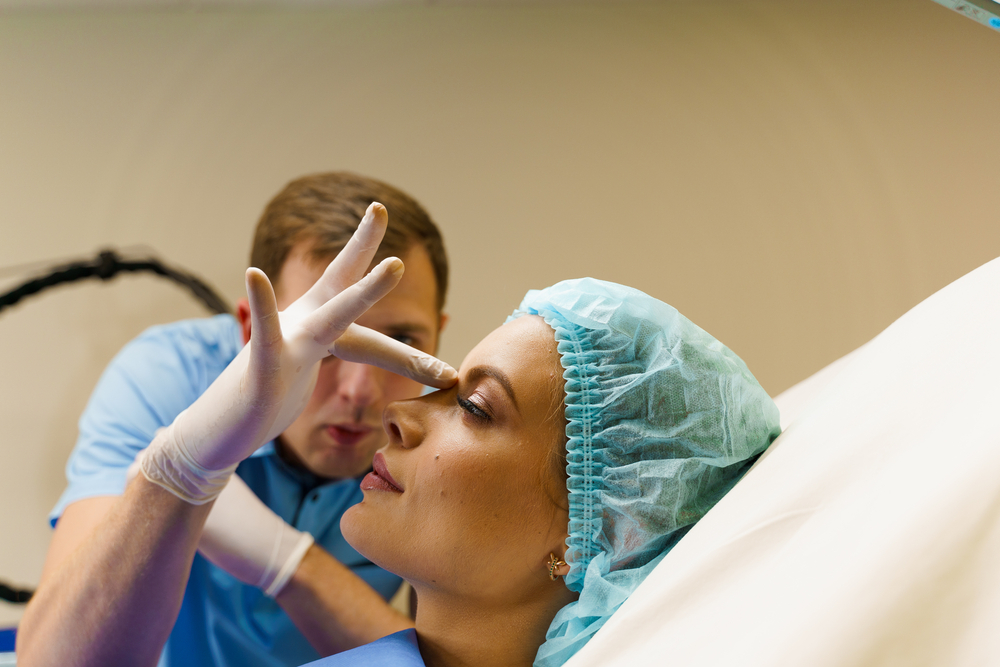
525,350
524,335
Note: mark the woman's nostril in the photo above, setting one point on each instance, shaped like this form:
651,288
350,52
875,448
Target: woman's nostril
402,423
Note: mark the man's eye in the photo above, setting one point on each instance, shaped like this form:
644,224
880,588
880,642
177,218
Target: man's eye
406,339
473,409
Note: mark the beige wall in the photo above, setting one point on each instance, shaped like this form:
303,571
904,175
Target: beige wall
791,175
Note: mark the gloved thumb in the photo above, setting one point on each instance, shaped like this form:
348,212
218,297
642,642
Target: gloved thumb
265,327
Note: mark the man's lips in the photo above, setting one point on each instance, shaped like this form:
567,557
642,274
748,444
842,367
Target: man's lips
348,435
379,478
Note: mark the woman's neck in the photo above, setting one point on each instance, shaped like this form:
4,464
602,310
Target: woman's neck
461,632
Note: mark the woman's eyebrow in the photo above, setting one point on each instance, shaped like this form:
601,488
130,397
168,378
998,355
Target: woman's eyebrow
479,372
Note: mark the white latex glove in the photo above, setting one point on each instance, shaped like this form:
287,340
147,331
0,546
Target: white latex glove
249,541
244,537
269,382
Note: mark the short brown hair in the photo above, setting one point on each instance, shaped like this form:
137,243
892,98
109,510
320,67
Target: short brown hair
325,209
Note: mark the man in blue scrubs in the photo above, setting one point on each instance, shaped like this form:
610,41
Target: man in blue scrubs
292,588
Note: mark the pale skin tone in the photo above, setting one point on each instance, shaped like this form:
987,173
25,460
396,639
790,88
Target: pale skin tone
483,502
109,568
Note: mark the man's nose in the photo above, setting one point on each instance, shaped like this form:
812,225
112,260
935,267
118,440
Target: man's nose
358,384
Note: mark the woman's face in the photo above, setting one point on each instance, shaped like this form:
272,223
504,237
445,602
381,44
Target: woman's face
481,494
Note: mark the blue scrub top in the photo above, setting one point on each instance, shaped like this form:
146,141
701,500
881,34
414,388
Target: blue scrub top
222,621
396,650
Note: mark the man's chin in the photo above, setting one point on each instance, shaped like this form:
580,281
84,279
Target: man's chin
336,464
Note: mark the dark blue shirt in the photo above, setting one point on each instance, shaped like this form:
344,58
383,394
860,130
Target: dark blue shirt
396,650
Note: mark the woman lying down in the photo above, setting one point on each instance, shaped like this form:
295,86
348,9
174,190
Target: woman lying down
523,503
585,437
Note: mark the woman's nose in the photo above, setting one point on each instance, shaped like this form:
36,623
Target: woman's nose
409,422
402,424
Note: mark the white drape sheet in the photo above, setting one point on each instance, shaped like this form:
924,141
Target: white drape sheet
869,534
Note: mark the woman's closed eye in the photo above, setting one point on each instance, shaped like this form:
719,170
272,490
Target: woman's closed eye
473,409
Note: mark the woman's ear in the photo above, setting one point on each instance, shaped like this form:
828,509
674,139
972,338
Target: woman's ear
243,317
556,565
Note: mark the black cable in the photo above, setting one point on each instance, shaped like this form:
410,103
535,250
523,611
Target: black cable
15,595
107,265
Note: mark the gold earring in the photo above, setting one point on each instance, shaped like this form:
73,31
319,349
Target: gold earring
553,564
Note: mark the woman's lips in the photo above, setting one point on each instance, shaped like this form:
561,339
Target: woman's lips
379,479
348,435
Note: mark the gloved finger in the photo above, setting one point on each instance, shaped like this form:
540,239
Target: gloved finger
331,319
349,266
265,325
367,346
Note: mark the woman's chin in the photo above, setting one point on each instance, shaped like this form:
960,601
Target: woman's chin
365,533
350,528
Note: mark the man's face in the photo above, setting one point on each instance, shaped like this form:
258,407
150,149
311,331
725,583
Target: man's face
341,427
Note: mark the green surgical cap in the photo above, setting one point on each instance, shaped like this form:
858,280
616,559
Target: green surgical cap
662,421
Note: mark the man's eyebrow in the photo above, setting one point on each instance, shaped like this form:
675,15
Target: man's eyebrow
495,373
407,327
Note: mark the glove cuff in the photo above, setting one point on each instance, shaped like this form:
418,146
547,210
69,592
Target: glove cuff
291,565
170,467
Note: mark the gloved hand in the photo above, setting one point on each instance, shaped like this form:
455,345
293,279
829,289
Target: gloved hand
269,382
249,541
244,537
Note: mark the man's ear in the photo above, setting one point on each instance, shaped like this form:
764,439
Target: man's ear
442,322
243,316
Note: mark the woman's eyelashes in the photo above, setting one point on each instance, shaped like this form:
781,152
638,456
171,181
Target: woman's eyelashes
473,409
